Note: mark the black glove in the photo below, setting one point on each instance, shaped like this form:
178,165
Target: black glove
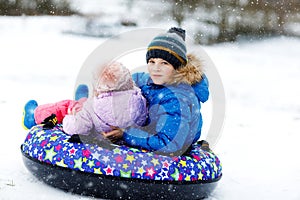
74,139
204,145
50,122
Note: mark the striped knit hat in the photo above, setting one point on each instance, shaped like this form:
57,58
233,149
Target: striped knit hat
170,47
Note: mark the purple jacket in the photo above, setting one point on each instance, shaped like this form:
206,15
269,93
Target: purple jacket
118,109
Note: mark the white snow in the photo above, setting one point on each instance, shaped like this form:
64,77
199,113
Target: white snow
259,146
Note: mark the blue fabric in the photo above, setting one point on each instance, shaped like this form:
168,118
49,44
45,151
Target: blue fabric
28,114
174,120
82,91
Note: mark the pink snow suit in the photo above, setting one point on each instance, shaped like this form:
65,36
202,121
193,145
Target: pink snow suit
60,109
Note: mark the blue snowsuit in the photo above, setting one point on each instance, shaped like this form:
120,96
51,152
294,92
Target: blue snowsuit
174,121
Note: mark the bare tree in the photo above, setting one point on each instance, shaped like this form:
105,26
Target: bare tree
35,7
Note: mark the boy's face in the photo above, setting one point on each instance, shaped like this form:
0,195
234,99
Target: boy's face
160,71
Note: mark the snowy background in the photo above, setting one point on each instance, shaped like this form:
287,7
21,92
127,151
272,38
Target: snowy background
258,148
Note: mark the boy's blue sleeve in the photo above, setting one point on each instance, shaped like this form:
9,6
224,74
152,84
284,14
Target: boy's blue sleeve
168,135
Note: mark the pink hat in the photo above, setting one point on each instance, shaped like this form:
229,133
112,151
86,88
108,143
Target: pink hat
114,77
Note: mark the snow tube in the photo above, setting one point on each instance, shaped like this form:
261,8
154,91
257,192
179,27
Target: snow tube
118,172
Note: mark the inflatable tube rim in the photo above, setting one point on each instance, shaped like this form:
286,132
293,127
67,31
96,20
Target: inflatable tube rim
123,178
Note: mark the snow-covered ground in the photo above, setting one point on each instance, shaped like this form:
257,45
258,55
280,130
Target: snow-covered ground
259,144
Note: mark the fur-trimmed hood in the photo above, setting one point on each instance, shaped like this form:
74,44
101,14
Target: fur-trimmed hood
191,73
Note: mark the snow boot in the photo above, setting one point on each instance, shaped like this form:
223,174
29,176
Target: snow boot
28,114
82,91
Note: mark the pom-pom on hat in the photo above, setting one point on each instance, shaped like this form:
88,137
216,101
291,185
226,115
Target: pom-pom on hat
170,47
